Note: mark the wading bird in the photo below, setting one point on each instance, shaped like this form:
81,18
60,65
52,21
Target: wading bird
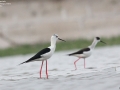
86,52
45,53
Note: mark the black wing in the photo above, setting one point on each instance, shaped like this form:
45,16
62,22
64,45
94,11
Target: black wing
38,55
80,51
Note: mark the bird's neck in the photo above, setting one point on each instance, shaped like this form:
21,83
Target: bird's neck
53,44
53,47
94,43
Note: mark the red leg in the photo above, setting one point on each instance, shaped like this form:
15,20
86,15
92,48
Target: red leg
75,63
46,70
84,62
41,69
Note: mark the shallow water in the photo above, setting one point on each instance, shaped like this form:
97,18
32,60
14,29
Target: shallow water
102,72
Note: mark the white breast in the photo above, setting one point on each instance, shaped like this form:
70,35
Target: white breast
49,54
87,54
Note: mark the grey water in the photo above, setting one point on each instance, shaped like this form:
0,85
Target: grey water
102,72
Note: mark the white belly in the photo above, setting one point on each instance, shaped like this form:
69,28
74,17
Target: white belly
45,57
84,55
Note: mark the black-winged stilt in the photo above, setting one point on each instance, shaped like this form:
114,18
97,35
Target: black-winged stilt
45,53
86,52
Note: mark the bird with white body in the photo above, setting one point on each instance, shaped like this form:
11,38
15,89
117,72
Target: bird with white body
86,52
45,53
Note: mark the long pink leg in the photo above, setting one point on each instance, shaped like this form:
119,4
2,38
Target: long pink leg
46,70
41,69
84,63
75,63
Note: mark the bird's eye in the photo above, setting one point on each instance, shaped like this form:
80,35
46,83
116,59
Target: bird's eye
97,38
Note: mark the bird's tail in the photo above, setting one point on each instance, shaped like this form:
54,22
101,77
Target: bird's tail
69,54
24,62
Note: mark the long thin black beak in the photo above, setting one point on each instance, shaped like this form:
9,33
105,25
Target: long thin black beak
103,42
61,39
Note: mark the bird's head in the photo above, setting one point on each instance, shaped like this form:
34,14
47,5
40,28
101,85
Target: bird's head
99,40
55,38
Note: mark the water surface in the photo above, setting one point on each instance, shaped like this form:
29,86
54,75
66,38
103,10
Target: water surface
102,72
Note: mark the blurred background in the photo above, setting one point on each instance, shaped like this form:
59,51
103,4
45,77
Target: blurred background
34,21
26,27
